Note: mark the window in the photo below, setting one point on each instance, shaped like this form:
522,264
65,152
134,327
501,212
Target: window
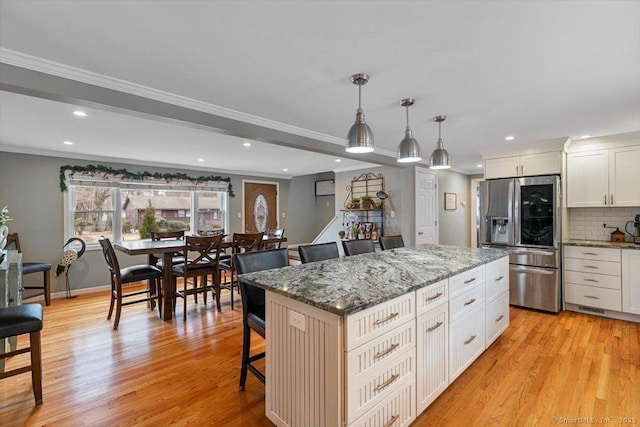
117,213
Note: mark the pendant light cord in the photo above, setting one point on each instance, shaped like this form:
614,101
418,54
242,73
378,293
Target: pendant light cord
407,108
360,97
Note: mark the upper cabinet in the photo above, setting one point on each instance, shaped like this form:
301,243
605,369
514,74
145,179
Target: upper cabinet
524,165
606,177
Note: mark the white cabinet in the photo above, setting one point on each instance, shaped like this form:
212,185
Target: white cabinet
608,177
524,165
592,277
497,299
631,281
432,346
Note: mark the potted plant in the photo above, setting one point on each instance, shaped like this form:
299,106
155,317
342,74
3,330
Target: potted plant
356,232
355,203
341,233
367,203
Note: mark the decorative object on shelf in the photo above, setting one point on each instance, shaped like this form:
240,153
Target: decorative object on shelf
367,202
440,157
368,216
354,204
4,230
342,234
382,195
450,201
325,188
72,250
409,150
123,174
360,137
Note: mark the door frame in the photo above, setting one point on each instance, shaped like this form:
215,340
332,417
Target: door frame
474,207
256,181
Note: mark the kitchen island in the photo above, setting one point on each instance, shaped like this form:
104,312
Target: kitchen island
373,339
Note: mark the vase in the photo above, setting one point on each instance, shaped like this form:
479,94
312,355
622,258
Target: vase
4,232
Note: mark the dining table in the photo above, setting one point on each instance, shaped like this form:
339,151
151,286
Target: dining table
168,248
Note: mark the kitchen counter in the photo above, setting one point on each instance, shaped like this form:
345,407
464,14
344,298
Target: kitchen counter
602,244
348,285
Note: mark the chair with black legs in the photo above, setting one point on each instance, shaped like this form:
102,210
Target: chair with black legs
253,303
204,261
318,252
13,242
391,242
136,273
242,242
357,247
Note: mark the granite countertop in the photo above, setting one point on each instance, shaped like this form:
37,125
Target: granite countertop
601,244
351,284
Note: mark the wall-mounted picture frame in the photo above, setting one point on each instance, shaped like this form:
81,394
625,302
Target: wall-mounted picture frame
450,201
325,188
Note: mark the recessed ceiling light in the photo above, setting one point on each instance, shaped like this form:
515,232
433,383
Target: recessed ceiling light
201,160
479,166
285,170
246,144
338,160
585,136
80,113
510,138
68,143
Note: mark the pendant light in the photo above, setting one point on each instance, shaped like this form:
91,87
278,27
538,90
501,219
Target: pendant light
360,137
440,158
409,150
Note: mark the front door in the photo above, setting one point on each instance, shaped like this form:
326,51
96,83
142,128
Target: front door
426,224
260,207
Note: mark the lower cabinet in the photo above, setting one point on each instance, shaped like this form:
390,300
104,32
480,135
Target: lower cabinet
497,317
631,281
466,341
433,355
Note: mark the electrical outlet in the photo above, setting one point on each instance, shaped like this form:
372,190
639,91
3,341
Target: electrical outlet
284,215
296,320
239,214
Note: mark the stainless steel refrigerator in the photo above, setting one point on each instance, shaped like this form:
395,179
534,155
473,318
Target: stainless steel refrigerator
522,216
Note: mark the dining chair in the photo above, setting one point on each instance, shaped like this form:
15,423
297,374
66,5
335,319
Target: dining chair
253,304
391,242
357,247
241,243
204,261
277,233
319,252
13,242
135,273
166,235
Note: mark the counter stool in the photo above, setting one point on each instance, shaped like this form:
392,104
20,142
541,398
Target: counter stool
18,320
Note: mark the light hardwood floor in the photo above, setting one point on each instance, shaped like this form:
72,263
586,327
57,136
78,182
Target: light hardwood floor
153,373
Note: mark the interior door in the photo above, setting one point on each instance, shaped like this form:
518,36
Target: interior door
426,226
260,207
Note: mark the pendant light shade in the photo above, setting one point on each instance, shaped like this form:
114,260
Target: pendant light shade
360,137
409,150
440,157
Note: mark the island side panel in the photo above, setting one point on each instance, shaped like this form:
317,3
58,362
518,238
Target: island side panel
304,364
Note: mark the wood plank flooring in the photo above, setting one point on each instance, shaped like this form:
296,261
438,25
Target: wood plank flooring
153,373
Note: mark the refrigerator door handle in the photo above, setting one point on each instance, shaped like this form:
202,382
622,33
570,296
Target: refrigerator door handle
524,269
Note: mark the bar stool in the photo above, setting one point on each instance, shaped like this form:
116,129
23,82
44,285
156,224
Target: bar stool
33,267
19,320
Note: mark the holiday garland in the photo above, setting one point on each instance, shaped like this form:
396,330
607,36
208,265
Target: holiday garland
140,176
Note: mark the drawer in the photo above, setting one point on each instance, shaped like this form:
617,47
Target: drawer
608,299
587,252
375,321
466,341
362,396
496,278
497,317
397,410
465,302
589,279
381,350
591,266
463,281
432,295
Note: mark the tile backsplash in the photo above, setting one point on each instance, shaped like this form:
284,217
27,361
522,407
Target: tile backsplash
586,223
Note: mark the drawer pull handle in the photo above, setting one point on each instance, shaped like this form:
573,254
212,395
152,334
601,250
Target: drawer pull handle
590,266
499,278
386,319
473,279
431,298
387,351
434,327
499,318
473,337
589,253
388,382
471,301
591,280
591,297
391,421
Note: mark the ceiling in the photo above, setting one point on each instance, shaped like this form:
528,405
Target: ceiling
277,73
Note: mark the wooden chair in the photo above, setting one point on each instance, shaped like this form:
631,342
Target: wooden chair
253,304
357,247
13,242
166,235
277,233
205,260
319,252
391,242
242,242
135,273
19,320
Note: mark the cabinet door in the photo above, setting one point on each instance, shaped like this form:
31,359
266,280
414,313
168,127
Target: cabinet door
587,179
466,341
541,164
496,317
432,355
496,278
631,281
504,167
624,176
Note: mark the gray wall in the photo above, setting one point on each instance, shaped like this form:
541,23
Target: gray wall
29,185
454,225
